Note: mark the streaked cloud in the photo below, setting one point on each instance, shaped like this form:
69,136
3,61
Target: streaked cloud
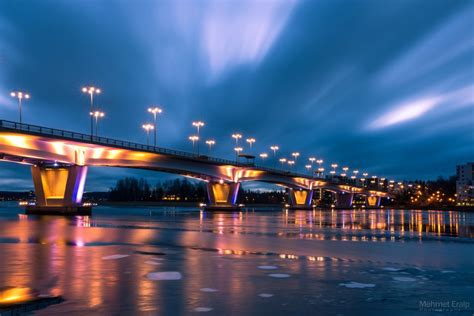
415,108
241,32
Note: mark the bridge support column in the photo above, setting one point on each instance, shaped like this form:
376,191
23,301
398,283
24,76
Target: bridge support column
344,200
222,195
373,201
300,199
59,190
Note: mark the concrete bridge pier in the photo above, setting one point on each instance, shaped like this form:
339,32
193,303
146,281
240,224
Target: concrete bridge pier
300,198
373,201
59,190
344,200
222,195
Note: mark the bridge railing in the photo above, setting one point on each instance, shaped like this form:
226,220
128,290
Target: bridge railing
47,131
74,136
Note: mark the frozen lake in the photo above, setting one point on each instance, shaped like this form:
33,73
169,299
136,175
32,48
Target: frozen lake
173,261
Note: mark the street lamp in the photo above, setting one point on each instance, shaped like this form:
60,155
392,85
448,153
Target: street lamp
274,148
250,141
198,125
321,172
236,137
319,162
345,169
91,91
210,143
295,155
282,161
155,111
20,95
291,163
237,152
193,139
263,156
148,127
308,167
96,115
333,171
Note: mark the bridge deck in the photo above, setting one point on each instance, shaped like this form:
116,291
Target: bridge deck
98,140
57,134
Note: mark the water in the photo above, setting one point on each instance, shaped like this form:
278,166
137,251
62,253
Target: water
174,261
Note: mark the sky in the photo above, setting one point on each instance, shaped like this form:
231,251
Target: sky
385,87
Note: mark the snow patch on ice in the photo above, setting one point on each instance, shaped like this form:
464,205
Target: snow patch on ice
357,285
404,279
279,275
114,257
160,276
203,309
265,295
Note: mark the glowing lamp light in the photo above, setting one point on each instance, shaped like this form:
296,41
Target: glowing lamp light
148,127
155,110
263,155
250,141
97,114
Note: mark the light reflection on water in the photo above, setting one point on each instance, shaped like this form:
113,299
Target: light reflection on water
65,256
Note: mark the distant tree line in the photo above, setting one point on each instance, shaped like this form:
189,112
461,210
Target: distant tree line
133,189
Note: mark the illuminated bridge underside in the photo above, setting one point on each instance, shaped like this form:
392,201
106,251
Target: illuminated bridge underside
39,150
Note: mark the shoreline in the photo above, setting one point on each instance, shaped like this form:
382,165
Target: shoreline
273,206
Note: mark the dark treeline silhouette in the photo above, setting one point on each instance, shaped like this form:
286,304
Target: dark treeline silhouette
133,189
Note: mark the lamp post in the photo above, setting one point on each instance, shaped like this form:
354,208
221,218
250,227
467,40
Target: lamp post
198,125
282,161
210,143
291,163
155,111
91,91
333,171
236,136
237,152
20,95
344,174
263,156
96,115
250,141
319,162
295,155
308,167
274,148
321,172
148,127
355,172
193,139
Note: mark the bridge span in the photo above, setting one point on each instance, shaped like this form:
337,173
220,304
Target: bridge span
59,161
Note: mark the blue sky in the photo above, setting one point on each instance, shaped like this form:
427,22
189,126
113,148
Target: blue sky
380,86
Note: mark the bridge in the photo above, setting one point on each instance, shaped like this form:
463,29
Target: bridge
59,161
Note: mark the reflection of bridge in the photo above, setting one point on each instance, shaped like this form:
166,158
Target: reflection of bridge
59,161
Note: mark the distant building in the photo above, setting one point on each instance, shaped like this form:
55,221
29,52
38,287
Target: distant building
465,184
